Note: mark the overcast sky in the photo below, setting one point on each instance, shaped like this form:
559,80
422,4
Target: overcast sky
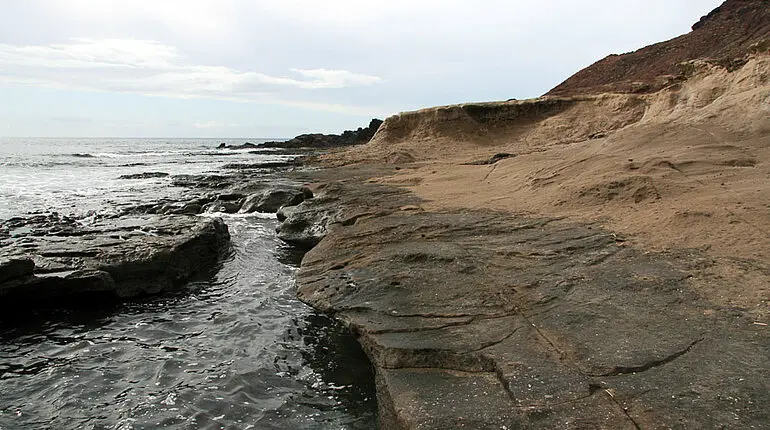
277,68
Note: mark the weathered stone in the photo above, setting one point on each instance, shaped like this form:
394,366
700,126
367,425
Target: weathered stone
482,319
306,224
15,268
273,199
265,165
229,207
202,181
187,209
128,256
145,175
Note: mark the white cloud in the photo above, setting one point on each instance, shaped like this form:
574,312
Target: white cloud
152,68
322,78
213,124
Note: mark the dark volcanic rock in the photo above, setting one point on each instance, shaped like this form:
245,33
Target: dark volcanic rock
306,224
321,141
202,181
482,319
726,35
265,165
273,199
126,257
247,145
145,175
222,206
11,269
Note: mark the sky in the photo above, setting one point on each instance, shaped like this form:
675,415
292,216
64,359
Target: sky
278,68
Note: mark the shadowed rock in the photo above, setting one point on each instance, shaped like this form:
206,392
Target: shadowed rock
273,199
127,257
321,141
16,268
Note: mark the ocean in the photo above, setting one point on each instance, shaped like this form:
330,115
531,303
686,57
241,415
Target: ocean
236,350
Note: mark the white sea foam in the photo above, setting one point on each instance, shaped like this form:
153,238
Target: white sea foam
78,176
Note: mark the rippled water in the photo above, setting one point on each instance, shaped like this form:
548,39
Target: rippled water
235,350
74,176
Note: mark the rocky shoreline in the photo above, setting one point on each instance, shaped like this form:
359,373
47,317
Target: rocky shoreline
486,319
146,249
52,257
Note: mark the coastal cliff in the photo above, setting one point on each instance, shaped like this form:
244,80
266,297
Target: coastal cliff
595,258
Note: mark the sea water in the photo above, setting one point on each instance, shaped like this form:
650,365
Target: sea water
234,350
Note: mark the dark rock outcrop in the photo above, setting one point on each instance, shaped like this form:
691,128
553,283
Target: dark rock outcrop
202,181
11,269
265,165
273,199
126,257
482,319
247,145
222,206
726,36
324,141
145,175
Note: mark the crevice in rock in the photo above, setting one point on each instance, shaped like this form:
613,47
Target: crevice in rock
424,315
544,337
347,222
493,343
625,370
622,409
494,166
420,329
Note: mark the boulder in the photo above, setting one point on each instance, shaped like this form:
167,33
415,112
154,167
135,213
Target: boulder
202,181
128,256
305,225
273,199
15,268
220,206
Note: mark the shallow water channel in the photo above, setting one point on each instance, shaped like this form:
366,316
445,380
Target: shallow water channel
234,351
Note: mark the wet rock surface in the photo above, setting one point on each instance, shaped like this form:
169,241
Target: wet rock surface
273,199
125,257
145,175
484,319
145,249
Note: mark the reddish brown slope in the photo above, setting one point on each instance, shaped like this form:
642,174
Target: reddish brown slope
726,35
